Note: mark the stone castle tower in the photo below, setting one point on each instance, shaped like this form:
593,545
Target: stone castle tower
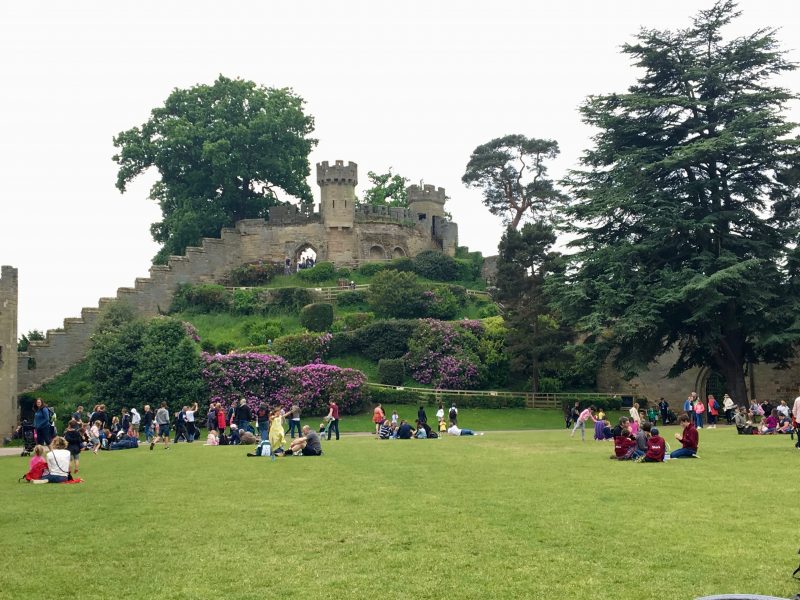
8,350
337,185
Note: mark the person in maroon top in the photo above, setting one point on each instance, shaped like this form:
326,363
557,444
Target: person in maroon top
689,439
333,417
655,447
623,440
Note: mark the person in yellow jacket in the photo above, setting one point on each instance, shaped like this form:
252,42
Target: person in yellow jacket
277,435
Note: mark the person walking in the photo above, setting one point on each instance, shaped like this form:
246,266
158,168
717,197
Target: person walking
333,417
162,423
378,417
180,425
147,423
453,415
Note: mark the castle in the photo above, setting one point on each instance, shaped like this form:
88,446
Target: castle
342,232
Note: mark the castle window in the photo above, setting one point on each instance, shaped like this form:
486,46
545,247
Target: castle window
333,203
422,216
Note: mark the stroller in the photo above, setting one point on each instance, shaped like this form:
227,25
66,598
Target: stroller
671,417
27,433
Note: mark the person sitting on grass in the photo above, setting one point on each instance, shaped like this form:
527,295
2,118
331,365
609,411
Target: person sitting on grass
424,431
38,465
385,431
785,425
57,462
404,430
641,440
607,432
624,442
689,439
656,447
212,439
770,424
454,430
308,445
744,426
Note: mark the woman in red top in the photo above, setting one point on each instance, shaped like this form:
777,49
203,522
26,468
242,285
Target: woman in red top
713,411
220,418
378,417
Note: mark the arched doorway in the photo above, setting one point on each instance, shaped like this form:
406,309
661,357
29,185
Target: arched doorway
398,252
377,253
304,256
715,386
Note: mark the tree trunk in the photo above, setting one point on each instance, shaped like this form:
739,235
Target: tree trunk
734,379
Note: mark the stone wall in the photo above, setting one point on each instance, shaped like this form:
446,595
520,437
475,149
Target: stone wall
8,350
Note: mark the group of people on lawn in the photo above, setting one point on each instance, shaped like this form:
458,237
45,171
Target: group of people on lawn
397,428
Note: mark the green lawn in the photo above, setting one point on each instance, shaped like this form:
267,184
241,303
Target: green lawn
505,515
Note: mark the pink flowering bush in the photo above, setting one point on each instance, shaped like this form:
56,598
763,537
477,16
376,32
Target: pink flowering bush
255,377
313,386
266,378
446,354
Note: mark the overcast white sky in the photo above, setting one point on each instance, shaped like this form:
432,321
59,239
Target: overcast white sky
414,85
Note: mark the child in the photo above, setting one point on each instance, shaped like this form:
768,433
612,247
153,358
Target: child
94,436
656,447
395,416
442,426
74,440
212,439
37,465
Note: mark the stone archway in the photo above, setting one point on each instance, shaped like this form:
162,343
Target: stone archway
377,253
302,252
398,252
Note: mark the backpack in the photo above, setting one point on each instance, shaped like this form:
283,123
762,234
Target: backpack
264,449
453,413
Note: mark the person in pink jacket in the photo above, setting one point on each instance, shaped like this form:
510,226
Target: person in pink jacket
699,409
585,415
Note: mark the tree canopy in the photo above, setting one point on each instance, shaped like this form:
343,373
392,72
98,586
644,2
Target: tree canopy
512,174
388,189
686,209
223,153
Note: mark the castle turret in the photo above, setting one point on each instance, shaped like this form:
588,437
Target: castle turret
8,350
337,184
426,204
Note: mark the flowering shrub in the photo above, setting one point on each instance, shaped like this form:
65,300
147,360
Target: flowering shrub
265,378
313,386
445,355
191,331
255,377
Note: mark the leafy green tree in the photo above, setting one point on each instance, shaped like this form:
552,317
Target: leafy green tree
512,175
34,335
687,206
223,151
396,294
388,189
525,262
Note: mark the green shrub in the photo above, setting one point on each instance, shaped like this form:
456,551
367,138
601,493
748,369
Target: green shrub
246,302
208,346
204,297
318,273
253,274
371,268
225,346
467,270
344,272
385,339
442,304
357,320
436,266
490,310
352,298
342,343
397,295
391,371
402,264
317,317
302,348
260,332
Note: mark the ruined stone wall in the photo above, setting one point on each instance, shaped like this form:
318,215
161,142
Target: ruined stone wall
8,350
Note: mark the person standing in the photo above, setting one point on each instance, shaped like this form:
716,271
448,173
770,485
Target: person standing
421,416
191,429
263,422
699,409
243,416
180,425
713,411
796,419
147,423
74,442
222,419
574,413
440,413
41,422
636,419
294,421
333,417
162,422
453,415
211,418
378,417
78,414
663,408
689,439
136,420
728,406
584,416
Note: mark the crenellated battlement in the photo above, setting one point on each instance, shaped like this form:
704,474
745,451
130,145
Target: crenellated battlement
337,174
427,193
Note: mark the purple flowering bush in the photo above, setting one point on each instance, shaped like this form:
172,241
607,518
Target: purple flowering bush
446,354
256,377
266,378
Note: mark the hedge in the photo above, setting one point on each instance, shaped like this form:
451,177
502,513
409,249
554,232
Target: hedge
253,274
317,317
391,371
385,339
353,298
318,273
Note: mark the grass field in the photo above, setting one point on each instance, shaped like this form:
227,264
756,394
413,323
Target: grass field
505,515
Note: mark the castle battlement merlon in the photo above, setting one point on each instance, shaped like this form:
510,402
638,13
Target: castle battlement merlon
337,173
427,193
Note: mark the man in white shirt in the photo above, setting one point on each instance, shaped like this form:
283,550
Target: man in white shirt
190,428
454,430
796,415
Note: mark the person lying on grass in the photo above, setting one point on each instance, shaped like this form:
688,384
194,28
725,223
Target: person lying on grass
454,430
308,445
689,439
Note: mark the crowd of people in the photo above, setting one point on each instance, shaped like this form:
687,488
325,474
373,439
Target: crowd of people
396,428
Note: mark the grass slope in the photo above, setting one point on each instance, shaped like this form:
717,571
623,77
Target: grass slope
521,515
